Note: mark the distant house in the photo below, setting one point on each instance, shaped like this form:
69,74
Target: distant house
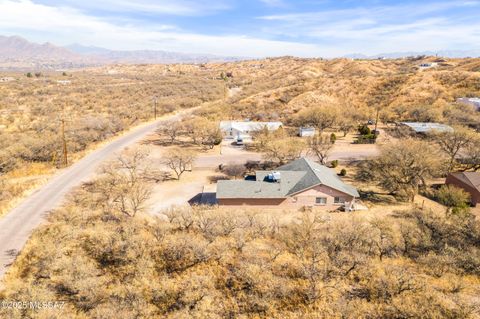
301,183
64,82
427,65
7,79
469,182
424,128
243,130
306,132
474,101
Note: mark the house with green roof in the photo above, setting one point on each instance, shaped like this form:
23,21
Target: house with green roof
301,183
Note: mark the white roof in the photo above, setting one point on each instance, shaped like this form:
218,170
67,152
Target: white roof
249,126
427,127
474,100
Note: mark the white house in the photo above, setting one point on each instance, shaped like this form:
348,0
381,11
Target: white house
427,65
243,130
306,132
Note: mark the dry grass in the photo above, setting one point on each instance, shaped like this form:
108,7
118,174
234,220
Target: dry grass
248,264
97,106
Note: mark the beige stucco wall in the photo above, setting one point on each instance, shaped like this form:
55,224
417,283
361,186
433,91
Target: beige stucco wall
306,198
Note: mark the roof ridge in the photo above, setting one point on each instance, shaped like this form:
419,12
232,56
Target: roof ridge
466,179
309,163
307,173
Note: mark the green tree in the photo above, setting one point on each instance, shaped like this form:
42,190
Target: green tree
455,199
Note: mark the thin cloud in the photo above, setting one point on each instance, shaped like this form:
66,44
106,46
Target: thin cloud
274,3
70,25
167,7
324,33
371,30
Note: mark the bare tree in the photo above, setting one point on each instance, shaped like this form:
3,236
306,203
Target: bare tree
403,167
203,131
471,158
234,170
210,136
284,150
179,160
122,186
319,117
453,142
172,129
320,146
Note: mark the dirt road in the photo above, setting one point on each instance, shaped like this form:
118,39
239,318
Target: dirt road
17,226
342,151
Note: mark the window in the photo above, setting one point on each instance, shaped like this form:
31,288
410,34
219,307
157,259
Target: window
339,200
321,201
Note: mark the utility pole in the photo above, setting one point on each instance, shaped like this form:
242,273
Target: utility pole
376,120
64,140
155,107
225,96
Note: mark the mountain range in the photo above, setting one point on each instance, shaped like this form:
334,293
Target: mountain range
146,56
398,55
17,53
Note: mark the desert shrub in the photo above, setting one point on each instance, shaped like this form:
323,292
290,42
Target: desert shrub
364,130
234,170
252,266
455,199
366,139
333,138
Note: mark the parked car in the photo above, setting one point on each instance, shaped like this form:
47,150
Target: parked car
239,141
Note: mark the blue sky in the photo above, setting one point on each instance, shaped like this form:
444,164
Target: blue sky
255,28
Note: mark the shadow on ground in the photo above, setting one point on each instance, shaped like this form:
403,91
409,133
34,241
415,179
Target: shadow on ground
204,199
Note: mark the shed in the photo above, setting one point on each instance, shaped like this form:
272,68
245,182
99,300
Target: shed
306,132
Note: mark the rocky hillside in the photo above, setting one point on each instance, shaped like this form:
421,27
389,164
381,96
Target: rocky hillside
402,88
18,53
